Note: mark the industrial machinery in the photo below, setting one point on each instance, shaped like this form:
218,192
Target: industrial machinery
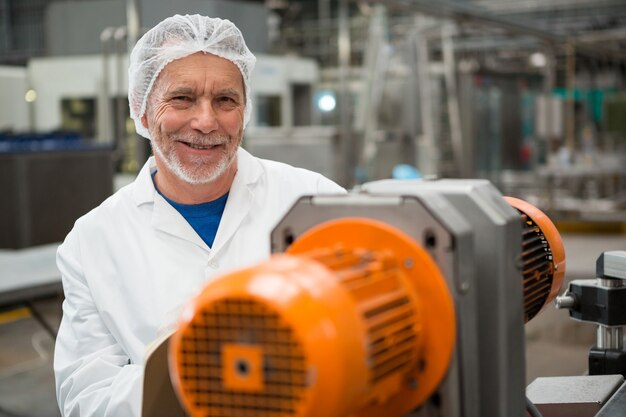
601,301
401,297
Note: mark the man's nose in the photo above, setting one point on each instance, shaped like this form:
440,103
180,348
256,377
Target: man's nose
204,118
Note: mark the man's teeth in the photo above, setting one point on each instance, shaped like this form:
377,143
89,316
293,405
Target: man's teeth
194,146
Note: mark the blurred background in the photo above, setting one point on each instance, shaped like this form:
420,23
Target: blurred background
528,94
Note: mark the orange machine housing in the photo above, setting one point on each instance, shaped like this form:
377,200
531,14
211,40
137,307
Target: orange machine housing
356,320
543,258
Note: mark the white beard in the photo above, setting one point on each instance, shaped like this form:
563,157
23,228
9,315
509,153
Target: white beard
198,170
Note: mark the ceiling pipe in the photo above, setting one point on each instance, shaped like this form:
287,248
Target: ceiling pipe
463,12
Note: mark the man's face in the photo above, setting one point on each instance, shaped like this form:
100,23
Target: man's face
195,117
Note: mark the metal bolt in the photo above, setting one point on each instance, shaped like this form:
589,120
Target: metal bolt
567,300
408,263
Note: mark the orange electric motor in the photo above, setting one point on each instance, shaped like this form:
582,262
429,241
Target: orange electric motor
355,320
543,258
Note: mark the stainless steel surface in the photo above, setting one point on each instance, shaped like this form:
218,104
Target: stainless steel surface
574,396
610,337
614,266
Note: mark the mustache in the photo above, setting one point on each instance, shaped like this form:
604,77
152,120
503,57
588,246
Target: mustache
210,139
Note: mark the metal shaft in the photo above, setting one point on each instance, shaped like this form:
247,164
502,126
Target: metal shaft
610,337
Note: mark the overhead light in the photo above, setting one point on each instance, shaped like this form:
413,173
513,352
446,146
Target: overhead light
538,60
326,101
30,96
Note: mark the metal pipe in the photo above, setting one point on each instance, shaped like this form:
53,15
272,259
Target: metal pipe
427,154
133,23
610,337
372,86
345,123
462,12
323,14
135,155
603,35
105,119
454,112
120,106
530,6
570,84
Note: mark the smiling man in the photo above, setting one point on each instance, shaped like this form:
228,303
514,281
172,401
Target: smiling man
201,206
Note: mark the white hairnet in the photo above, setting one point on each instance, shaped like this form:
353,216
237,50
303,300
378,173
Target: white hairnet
177,37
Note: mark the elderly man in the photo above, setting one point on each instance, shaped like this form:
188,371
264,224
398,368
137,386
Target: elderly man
200,206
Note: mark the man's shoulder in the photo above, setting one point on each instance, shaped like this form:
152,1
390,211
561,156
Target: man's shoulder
281,172
111,211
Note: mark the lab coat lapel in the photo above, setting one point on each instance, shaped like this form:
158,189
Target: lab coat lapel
165,218
240,198
168,220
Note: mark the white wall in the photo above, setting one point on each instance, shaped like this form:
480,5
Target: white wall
13,107
68,77
81,77
274,75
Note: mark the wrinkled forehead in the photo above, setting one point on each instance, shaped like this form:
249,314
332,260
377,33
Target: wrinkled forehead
198,67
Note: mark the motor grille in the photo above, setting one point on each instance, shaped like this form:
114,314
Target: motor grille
374,280
242,322
537,267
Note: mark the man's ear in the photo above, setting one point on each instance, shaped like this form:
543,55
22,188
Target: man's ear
144,121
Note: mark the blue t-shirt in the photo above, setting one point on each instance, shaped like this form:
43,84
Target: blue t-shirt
204,218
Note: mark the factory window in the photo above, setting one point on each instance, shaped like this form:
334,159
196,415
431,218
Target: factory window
78,115
268,111
302,100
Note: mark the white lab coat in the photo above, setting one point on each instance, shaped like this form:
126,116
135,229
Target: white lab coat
130,264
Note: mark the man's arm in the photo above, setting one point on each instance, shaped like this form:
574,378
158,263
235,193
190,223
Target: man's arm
93,374
326,186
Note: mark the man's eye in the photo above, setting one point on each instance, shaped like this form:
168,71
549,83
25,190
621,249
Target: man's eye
226,99
181,98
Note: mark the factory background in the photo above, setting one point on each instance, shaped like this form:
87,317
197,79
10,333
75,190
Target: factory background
528,94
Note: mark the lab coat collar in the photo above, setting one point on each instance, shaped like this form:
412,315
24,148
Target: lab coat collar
143,188
240,198
249,170
166,218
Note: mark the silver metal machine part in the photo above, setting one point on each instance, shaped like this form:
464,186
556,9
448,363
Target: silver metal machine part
474,236
572,396
610,275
